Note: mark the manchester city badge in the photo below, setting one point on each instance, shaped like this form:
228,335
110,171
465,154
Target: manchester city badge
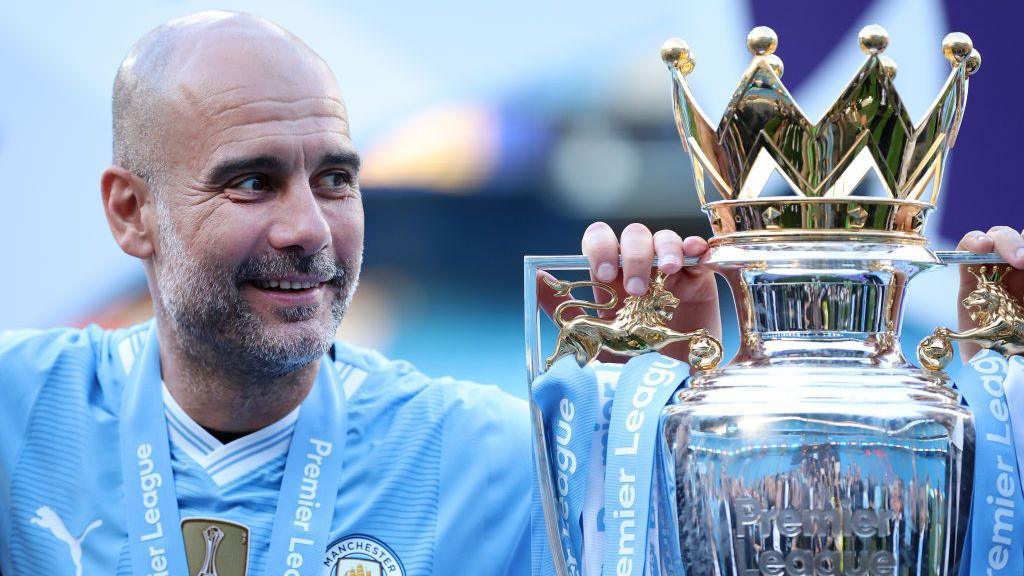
215,547
361,555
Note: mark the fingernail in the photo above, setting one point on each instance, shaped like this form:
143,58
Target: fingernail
670,261
606,272
636,286
1020,254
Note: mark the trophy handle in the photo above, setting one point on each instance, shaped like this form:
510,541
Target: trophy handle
999,315
639,326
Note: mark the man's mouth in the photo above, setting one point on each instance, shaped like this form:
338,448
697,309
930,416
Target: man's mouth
286,284
291,292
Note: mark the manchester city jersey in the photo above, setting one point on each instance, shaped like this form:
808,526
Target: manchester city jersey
435,480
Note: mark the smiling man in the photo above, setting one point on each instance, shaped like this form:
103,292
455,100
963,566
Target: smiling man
232,434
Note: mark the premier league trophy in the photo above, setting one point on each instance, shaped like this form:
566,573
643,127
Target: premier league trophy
819,449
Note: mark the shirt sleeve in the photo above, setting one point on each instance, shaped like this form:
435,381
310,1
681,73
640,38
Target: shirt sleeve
484,502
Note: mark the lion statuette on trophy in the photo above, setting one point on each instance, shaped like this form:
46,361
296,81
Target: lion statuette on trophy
639,326
1000,321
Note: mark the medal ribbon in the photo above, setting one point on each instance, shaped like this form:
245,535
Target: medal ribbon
567,397
995,545
305,506
572,403
645,387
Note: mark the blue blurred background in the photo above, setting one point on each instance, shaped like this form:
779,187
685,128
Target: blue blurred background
489,131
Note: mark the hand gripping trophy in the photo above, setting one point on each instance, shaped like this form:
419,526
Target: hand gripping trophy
819,449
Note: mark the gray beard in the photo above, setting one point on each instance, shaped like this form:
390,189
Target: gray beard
222,335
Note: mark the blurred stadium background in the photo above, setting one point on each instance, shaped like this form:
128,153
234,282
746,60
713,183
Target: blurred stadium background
489,131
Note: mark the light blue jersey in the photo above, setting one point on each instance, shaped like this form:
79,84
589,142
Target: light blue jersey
435,480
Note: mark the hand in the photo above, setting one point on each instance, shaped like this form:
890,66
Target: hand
1010,245
694,286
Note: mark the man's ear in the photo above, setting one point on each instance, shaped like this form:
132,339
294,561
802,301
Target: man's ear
124,195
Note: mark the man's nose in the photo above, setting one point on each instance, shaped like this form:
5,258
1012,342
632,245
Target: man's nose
300,225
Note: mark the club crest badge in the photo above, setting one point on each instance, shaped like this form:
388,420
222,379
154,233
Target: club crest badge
215,547
361,555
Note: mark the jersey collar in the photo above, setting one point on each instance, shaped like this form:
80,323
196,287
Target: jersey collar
226,463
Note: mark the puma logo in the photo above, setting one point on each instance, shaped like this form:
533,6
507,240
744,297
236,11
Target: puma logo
47,518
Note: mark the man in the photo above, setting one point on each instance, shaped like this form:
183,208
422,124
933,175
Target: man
232,430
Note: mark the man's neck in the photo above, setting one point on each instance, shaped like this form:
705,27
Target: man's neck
219,398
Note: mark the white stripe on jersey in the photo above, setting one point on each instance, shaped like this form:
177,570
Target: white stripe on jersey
226,463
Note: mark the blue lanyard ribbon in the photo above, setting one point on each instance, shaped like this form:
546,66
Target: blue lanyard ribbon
569,398
306,504
645,387
995,545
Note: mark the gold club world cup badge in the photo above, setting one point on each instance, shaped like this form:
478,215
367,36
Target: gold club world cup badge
215,547
361,555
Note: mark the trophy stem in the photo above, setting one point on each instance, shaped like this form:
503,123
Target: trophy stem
838,301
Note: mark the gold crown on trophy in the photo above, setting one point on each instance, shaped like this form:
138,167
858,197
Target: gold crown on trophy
764,132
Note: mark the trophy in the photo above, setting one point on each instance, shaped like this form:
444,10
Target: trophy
819,449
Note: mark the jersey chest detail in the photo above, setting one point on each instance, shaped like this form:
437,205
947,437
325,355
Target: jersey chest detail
67,509
226,463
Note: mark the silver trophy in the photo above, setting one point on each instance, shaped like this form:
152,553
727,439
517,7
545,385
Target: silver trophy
819,449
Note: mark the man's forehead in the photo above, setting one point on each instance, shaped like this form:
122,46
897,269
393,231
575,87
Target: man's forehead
225,72
235,123
232,92
248,104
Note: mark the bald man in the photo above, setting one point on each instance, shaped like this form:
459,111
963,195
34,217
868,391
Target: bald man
232,435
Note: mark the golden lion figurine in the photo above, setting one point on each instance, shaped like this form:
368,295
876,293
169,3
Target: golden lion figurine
639,327
1000,321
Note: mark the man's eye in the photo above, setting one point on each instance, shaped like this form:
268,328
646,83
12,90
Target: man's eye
335,179
250,184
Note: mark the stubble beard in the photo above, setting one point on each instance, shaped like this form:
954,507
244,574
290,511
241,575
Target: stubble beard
218,330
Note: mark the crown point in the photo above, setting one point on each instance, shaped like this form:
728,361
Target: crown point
873,39
776,63
973,61
888,66
762,41
956,46
676,53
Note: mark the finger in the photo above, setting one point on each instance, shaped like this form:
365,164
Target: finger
976,241
1009,245
601,248
668,245
548,301
637,247
695,246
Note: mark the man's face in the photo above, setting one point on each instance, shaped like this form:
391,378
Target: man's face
260,216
